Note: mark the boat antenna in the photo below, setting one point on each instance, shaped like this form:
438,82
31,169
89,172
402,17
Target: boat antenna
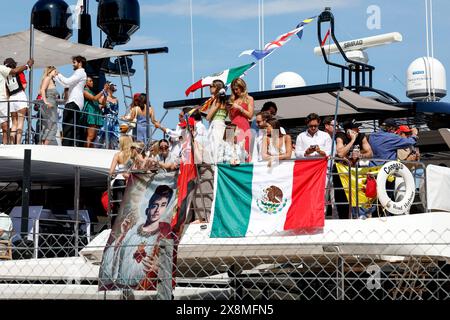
261,42
263,68
192,44
432,49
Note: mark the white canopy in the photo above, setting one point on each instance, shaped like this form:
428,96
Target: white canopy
298,102
324,103
49,50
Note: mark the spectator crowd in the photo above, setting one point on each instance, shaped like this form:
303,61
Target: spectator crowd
235,133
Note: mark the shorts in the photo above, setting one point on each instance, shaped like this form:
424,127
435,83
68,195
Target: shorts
3,111
15,106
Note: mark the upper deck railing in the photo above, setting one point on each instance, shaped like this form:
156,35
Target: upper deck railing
40,118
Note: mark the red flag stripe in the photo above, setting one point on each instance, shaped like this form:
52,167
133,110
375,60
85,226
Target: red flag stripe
193,87
308,195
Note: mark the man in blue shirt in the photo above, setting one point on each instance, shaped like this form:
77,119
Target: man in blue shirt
385,142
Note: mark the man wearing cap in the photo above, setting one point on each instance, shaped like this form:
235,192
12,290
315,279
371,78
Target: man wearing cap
351,143
409,153
4,73
385,142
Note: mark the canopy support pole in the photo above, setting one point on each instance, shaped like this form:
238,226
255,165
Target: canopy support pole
333,144
335,121
147,115
30,85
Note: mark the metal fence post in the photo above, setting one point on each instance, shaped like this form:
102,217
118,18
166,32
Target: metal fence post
164,287
76,203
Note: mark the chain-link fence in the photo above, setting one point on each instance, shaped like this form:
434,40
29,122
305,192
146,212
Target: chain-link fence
410,264
389,257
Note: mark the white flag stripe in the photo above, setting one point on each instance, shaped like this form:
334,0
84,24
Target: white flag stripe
278,175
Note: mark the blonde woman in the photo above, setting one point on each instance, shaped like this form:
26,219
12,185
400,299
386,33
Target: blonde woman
119,165
241,109
216,116
49,111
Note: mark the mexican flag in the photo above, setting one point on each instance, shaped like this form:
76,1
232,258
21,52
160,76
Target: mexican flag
226,76
256,200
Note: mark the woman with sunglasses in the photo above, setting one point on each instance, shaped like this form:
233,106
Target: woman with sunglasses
166,160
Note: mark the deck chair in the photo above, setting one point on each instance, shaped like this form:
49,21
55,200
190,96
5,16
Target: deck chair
5,239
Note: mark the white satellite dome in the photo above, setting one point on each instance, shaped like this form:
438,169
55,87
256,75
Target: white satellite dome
425,79
286,80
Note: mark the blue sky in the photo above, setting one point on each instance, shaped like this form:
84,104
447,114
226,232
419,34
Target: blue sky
222,29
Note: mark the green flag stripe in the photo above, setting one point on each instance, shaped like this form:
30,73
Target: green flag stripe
233,201
234,73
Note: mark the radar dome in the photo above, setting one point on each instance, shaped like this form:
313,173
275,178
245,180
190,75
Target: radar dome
287,80
426,80
52,17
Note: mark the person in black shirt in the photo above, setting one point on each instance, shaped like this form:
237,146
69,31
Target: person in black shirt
351,143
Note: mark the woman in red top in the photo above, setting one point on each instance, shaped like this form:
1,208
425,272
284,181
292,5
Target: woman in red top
241,108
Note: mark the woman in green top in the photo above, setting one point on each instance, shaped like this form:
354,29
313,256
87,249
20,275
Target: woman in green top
216,117
92,112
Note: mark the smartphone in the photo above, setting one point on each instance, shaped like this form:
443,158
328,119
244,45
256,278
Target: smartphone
314,146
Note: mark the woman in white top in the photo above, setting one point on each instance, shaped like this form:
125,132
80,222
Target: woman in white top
216,116
120,163
230,150
276,146
200,135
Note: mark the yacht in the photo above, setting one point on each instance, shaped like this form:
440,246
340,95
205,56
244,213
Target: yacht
65,184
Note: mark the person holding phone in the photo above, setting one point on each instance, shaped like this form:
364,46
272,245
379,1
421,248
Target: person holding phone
352,144
313,142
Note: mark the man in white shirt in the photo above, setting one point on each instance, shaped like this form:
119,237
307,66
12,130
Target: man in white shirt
261,122
72,131
4,73
313,142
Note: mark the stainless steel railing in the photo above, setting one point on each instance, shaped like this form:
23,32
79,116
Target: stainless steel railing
107,136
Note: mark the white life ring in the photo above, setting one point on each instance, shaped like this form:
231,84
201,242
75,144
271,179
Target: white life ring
402,206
